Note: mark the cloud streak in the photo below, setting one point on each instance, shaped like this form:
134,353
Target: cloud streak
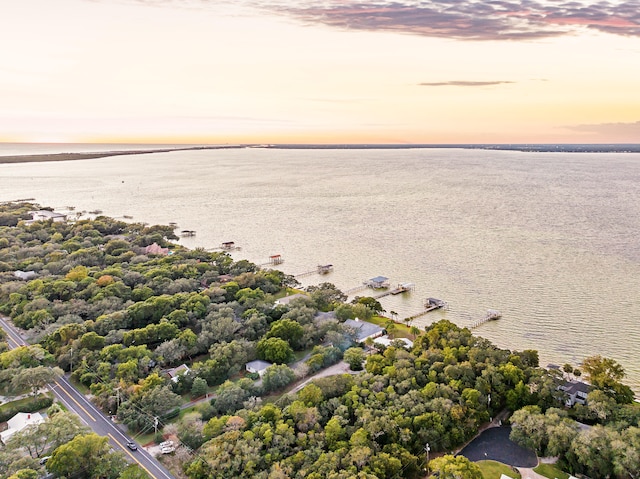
465,83
468,19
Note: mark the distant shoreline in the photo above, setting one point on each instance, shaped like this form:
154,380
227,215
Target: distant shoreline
97,154
530,148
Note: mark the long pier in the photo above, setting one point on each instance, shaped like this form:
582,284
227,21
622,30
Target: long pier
320,269
431,304
491,315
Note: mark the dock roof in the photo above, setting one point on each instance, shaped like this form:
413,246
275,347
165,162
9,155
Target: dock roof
379,279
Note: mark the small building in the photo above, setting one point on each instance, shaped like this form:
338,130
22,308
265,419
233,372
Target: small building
363,330
324,268
258,366
228,245
18,422
175,373
155,248
576,392
284,301
25,275
386,341
379,282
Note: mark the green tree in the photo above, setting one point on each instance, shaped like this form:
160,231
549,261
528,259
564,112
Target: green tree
354,357
277,377
84,456
275,350
287,329
606,374
455,467
199,388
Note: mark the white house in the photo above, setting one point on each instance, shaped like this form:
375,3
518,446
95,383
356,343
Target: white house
257,366
18,422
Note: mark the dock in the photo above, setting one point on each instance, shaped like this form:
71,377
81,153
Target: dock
321,269
492,315
399,289
430,304
187,233
379,282
274,259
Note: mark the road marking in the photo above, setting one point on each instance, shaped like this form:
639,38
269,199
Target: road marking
74,400
135,459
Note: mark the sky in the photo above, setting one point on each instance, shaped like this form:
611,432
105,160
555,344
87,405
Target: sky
320,71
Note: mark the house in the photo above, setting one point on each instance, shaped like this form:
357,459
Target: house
18,422
287,299
25,275
576,392
46,215
175,373
386,341
363,330
155,248
257,366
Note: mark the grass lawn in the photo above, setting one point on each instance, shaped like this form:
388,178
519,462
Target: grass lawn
494,469
551,471
401,331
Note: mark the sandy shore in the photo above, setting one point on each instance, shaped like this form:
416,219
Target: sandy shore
98,154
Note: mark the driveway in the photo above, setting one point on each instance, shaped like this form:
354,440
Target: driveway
494,444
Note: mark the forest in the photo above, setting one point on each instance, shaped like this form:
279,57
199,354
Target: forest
115,315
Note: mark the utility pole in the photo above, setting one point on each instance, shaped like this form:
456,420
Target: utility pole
427,448
155,425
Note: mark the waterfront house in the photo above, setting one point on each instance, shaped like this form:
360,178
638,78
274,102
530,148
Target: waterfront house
363,330
386,341
18,422
576,392
257,366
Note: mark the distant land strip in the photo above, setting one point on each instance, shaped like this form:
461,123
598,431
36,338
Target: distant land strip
539,148
98,154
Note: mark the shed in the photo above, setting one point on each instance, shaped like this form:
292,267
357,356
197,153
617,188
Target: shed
257,366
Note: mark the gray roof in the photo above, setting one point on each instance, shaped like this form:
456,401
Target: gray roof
379,279
575,387
258,364
363,329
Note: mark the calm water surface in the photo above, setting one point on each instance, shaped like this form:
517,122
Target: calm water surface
549,239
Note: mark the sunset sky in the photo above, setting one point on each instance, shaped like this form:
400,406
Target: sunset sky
320,71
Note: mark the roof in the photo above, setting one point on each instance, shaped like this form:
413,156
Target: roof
386,341
18,422
363,329
378,279
155,248
177,371
48,214
258,365
26,275
576,387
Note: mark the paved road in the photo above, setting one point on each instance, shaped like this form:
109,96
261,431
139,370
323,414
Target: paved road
90,415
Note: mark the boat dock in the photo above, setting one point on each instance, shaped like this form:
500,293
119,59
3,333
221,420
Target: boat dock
401,288
320,269
430,304
274,259
492,315
187,233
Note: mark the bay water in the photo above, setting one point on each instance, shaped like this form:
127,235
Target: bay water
548,239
